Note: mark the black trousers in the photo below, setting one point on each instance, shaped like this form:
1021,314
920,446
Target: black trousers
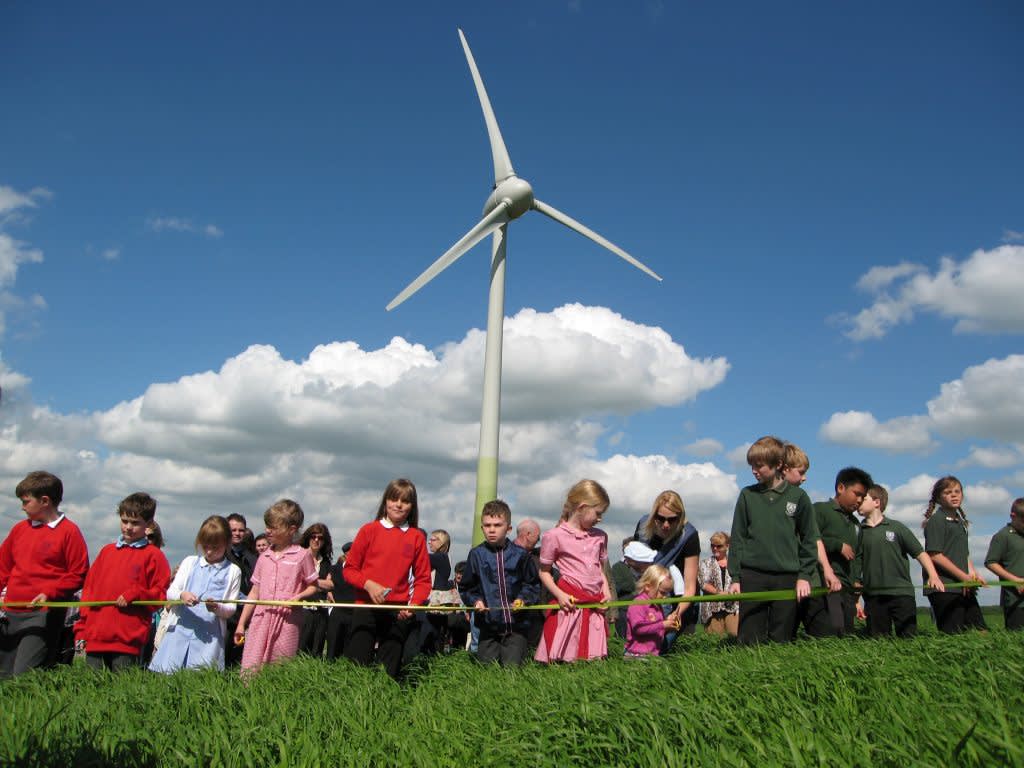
886,612
382,628
813,614
508,648
768,620
955,611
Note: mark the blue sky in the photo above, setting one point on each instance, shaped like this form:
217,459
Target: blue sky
832,194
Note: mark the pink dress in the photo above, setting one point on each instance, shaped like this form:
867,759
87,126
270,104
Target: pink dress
273,631
578,555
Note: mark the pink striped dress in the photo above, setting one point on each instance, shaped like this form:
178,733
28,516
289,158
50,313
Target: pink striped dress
578,555
273,631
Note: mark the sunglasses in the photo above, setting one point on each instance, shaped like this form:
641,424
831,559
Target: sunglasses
316,536
665,520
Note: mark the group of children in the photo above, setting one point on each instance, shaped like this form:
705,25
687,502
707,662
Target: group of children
779,541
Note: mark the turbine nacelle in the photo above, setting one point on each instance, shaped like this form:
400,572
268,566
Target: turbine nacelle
516,193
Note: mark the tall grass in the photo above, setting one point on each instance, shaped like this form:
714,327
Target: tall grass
934,700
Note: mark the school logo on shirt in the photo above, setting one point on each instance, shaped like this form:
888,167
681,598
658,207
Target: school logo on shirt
890,535
791,508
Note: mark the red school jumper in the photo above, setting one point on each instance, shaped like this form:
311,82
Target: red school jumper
47,559
138,573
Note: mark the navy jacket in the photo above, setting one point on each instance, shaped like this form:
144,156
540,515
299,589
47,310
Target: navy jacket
480,582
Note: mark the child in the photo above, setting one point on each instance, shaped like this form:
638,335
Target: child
43,558
130,569
881,564
499,578
195,634
286,571
773,546
578,550
378,566
1005,559
839,530
945,539
811,613
646,624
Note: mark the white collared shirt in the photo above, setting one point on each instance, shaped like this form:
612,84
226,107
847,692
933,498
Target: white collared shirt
52,523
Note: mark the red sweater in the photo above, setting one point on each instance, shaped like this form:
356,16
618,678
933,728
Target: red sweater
137,573
43,560
385,555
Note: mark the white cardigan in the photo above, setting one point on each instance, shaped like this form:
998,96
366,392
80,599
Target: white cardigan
222,610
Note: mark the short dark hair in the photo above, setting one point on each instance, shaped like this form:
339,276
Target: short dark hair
496,508
38,484
848,476
137,504
234,516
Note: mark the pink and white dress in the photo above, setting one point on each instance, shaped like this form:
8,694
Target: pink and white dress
578,555
273,631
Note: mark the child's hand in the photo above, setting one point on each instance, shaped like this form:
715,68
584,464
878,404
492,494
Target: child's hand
377,592
188,598
479,606
832,582
240,635
121,602
211,605
847,552
672,623
40,598
404,615
566,602
936,584
518,603
803,589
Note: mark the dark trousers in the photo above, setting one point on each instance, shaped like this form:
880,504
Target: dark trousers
813,614
115,662
508,648
30,640
383,628
842,610
337,632
313,635
886,612
1013,615
766,620
955,611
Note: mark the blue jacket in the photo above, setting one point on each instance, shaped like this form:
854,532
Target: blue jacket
480,581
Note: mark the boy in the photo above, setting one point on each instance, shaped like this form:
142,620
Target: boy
773,545
499,578
238,554
839,529
128,570
43,558
1005,559
881,564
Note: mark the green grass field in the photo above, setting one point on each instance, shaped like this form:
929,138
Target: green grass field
934,700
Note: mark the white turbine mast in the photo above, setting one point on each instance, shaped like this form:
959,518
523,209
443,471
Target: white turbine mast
511,198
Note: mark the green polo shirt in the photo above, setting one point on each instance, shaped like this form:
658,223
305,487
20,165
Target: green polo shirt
882,563
1007,549
837,527
773,530
946,533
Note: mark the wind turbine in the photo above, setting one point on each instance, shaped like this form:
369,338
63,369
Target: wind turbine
511,198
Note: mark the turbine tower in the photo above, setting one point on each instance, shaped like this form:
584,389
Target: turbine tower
511,198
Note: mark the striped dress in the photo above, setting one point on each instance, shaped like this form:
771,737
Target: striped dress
273,631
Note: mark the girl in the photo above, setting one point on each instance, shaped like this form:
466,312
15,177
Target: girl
261,544
378,565
434,626
284,572
580,552
945,540
646,624
194,634
317,539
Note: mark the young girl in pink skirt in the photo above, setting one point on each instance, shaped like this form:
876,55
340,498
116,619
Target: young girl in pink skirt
285,571
578,550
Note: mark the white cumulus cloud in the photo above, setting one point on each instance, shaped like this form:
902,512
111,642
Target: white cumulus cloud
704,448
905,434
981,294
986,401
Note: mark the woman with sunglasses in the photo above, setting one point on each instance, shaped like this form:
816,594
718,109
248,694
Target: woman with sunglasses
317,539
666,531
718,618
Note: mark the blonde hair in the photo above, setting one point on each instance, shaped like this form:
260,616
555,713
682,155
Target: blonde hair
766,450
674,502
652,577
444,538
588,492
719,537
794,458
284,512
214,530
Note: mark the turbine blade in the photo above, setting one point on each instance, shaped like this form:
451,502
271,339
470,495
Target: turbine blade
571,223
483,228
502,163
